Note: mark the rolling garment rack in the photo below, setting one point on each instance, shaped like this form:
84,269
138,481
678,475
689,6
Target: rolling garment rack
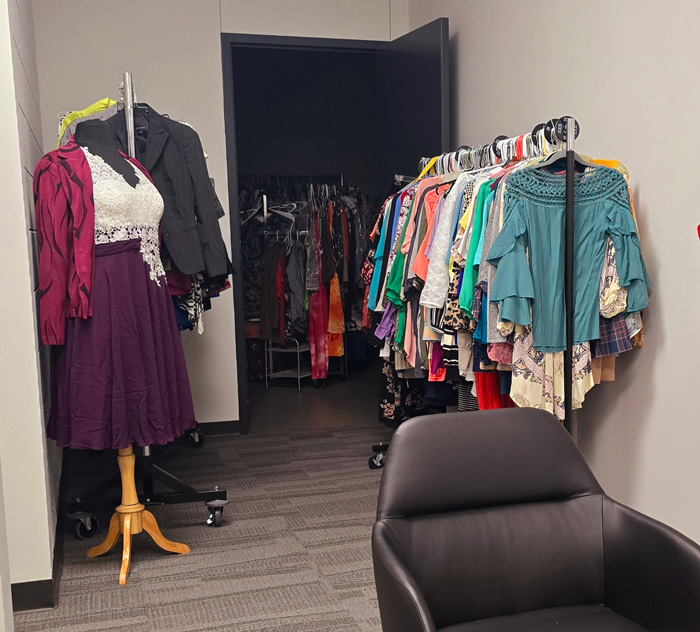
302,370
279,345
133,503
562,130
290,178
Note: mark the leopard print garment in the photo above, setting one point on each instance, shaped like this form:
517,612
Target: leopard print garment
455,318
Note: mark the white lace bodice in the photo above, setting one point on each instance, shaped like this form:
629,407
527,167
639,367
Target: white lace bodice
123,212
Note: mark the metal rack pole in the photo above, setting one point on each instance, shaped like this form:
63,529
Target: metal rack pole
569,275
129,113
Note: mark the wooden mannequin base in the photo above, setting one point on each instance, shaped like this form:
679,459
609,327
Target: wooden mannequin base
127,525
130,519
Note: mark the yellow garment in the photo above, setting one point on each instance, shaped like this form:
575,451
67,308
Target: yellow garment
538,378
613,298
618,166
98,106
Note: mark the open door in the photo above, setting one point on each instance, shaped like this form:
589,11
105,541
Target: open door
411,120
413,99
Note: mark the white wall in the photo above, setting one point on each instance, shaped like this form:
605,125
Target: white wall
173,49
31,465
359,19
628,71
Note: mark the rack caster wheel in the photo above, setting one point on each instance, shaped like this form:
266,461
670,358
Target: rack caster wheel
196,439
376,462
216,512
86,524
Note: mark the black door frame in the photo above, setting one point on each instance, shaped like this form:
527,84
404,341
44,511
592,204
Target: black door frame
229,42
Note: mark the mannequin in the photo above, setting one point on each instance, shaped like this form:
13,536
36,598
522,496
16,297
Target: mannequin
99,140
121,345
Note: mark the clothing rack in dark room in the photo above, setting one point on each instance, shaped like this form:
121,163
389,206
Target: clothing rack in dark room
294,179
82,507
284,233
561,130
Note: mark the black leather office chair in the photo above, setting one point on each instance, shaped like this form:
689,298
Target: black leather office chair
493,522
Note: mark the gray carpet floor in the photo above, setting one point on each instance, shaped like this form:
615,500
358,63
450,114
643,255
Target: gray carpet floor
293,554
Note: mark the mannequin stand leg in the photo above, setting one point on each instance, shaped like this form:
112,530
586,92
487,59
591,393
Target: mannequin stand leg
151,527
132,517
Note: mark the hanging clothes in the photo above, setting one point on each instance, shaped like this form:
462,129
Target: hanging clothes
101,110
336,320
467,280
297,290
173,155
318,333
271,324
529,253
400,398
118,374
300,264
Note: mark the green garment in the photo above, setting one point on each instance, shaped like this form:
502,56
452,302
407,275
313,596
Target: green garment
395,284
529,253
400,334
394,288
466,295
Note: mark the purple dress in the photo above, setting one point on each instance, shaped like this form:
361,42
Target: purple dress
120,379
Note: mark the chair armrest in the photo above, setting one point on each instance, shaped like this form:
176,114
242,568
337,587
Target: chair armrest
401,603
652,572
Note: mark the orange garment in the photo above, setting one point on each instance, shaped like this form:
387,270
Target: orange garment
603,369
336,320
411,226
366,313
420,266
409,342
252,329
336,346
638,339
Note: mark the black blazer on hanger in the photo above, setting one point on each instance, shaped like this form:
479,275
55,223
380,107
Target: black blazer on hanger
174,157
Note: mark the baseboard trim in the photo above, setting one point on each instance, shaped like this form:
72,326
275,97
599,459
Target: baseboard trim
33,595
44,593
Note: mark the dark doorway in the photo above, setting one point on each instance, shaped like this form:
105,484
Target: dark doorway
359,110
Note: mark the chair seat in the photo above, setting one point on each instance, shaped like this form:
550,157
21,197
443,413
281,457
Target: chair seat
566,619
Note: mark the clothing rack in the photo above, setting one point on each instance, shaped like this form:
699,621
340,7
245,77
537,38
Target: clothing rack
300,178
82,508
542,140
283,233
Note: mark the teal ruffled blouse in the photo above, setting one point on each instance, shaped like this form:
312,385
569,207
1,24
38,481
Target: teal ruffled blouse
529,252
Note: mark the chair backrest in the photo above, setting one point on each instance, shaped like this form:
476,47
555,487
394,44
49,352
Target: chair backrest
494,513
